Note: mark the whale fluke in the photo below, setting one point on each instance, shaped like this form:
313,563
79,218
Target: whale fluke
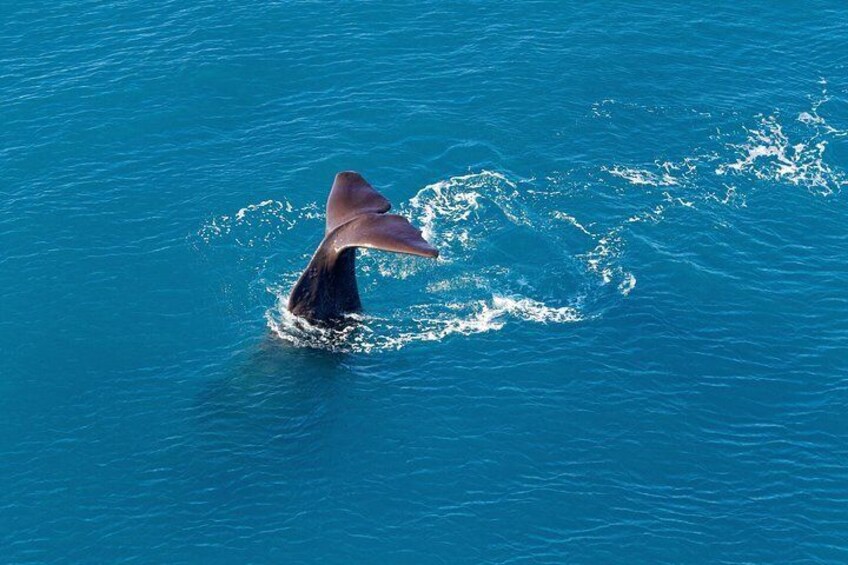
356,217
350,196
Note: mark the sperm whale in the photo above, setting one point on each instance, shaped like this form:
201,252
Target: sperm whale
356,217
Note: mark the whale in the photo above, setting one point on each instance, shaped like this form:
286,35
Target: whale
356,217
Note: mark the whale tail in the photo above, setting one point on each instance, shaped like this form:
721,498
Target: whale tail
356,217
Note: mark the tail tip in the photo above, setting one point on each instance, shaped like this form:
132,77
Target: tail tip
348,177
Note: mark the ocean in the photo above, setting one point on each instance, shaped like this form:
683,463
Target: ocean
633,347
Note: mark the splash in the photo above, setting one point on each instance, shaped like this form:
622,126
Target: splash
564,216
641,176
365,334
771,153
815,120
473,288
450,211
659,174
526,251
257,223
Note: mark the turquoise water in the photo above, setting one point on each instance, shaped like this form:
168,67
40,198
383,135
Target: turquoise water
634,347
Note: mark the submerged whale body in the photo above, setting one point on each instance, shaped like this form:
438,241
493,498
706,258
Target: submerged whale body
356,217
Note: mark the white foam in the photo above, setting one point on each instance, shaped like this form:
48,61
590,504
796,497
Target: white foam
426,323
469,290
533,310
769,154
444,209
464,293
571,220
642,177
242,213
254,223
599,109
812,118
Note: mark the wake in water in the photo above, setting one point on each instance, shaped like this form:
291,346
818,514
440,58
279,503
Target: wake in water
769,154
423,322
477,285
525,250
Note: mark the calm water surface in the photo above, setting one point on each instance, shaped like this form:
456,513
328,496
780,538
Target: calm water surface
634,347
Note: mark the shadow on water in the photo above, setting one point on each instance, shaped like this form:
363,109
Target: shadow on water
263,421
274,400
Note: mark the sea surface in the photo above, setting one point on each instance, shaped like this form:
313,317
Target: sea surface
633,348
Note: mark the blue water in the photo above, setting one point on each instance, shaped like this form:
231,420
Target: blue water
634,347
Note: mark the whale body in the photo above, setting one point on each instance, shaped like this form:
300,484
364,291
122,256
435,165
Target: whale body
356,217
